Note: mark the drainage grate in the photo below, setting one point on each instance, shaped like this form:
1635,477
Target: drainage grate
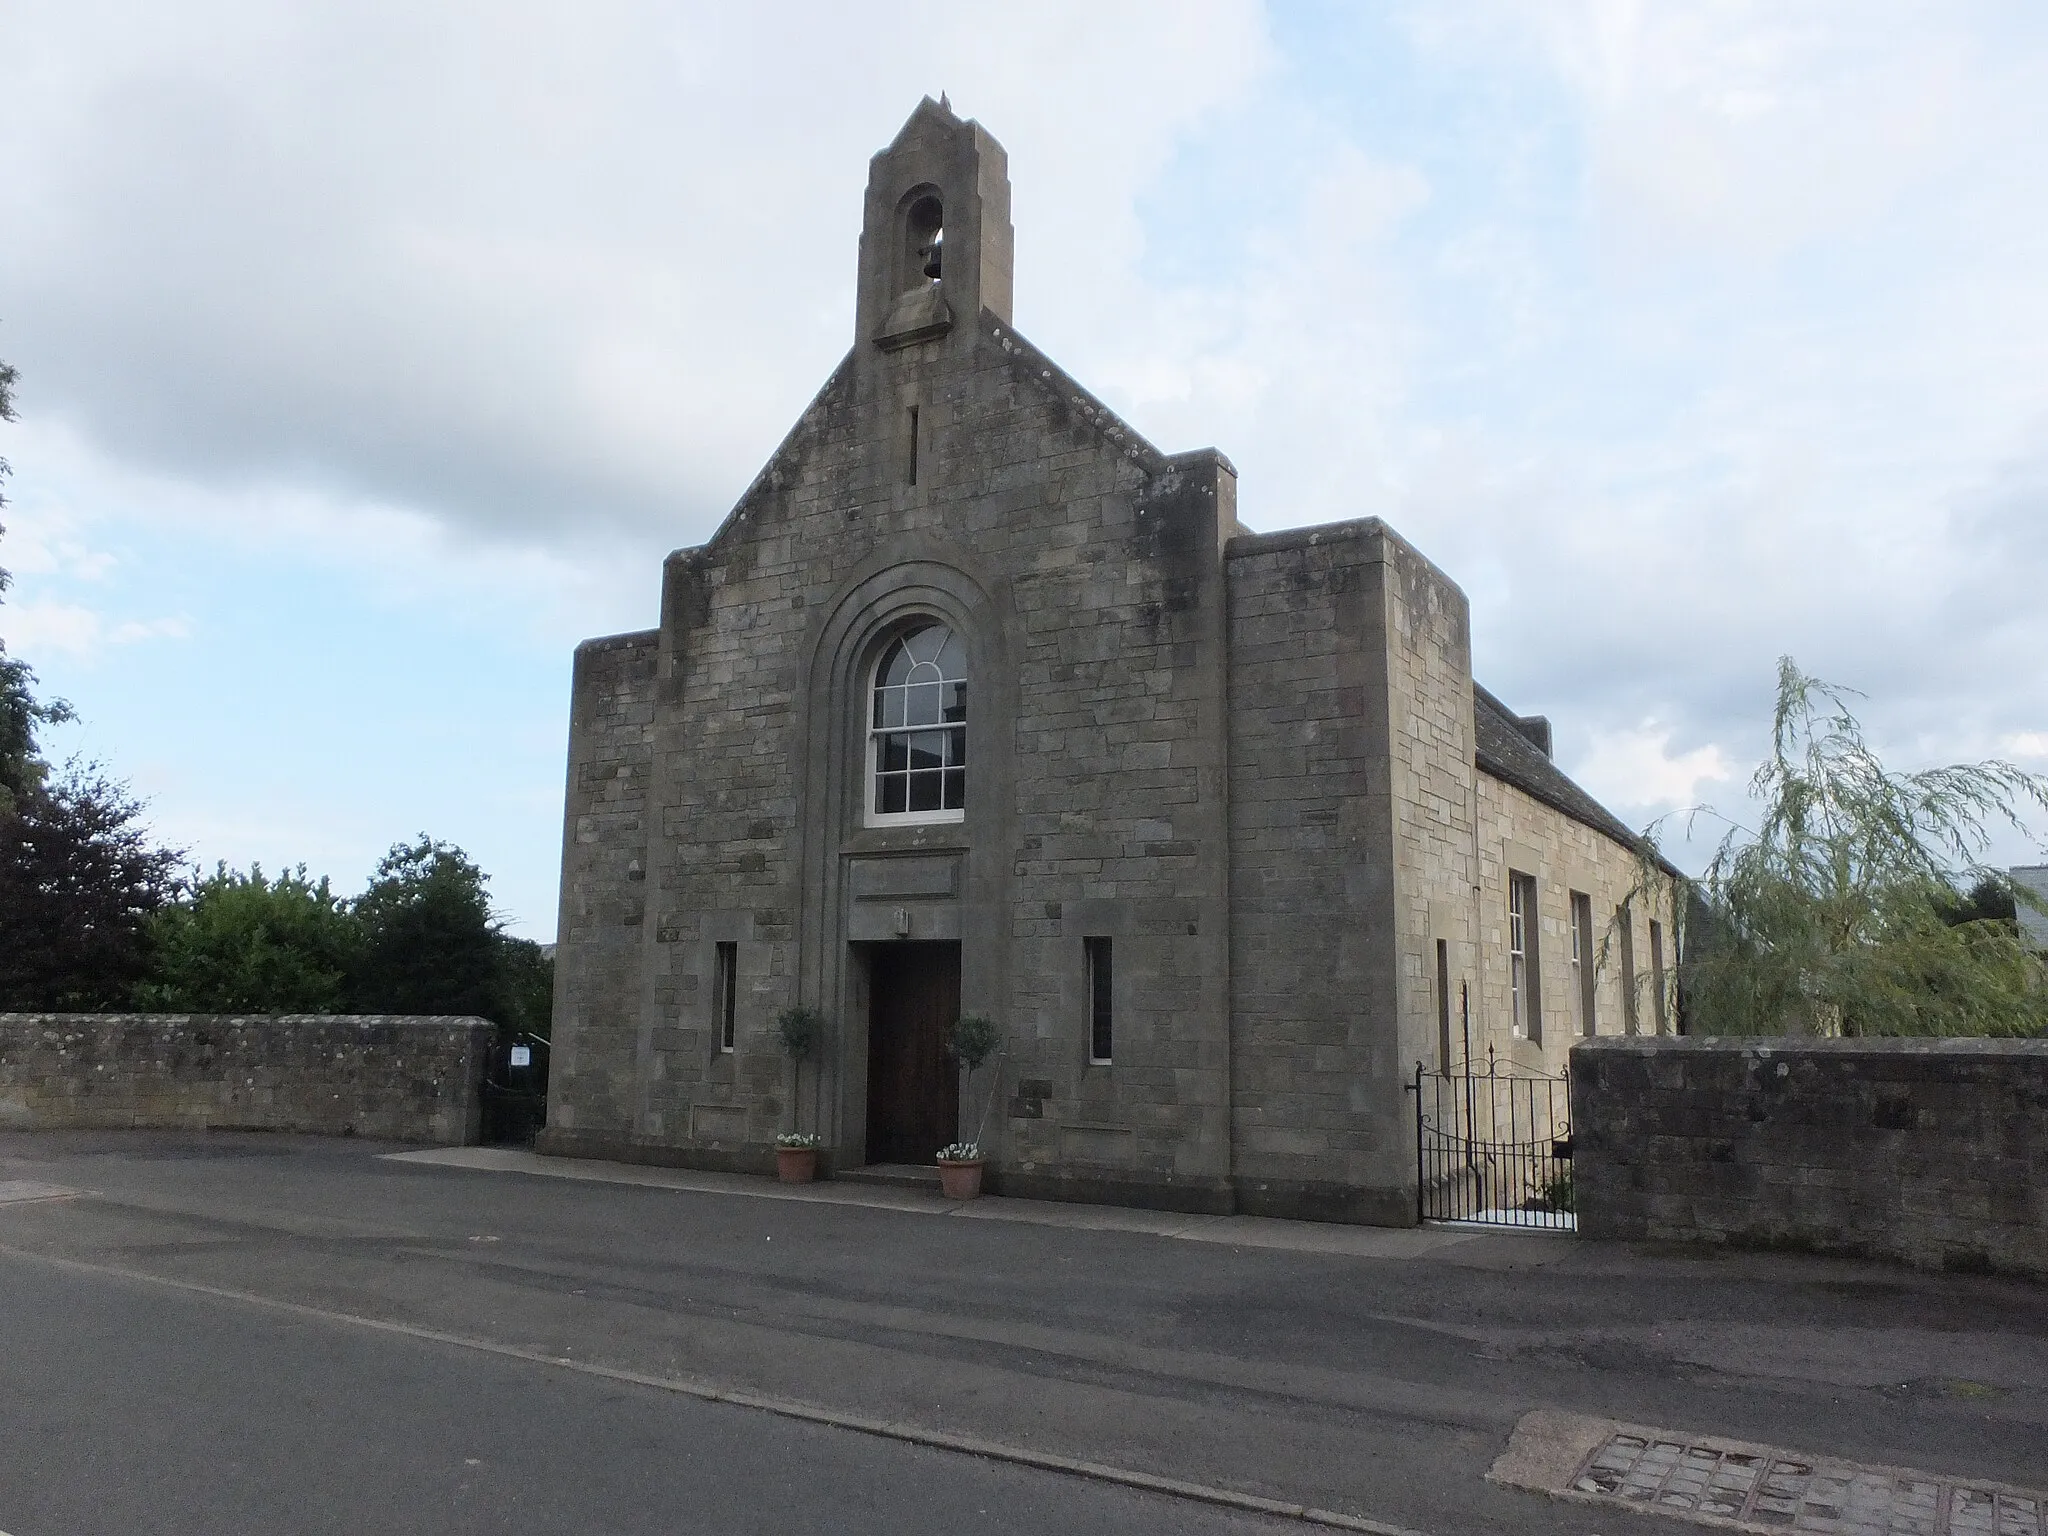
1769,1491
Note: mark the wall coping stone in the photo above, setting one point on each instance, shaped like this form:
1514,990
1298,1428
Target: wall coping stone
632,640
366,1020
2016,1049
1357,530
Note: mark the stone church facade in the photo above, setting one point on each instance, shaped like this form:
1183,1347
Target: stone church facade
979,702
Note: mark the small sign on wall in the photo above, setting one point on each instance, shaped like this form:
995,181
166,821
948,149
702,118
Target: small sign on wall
522,1055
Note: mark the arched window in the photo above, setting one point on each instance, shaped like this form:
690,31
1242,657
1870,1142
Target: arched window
917,728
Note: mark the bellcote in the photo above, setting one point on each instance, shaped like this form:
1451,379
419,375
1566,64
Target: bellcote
935,244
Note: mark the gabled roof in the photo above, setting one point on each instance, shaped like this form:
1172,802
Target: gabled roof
1504,751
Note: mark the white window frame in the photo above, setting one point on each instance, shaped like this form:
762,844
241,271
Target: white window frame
871,758
1523,1022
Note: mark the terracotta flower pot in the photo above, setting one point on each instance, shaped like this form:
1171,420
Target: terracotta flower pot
796,1165
960,1181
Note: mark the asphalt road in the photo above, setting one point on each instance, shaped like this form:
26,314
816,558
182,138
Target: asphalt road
127,1409
1383,1388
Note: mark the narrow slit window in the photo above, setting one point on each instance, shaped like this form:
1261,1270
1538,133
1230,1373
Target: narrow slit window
1657,976
910,454
726,992
1443,1005
1625,926
1583,958
1101,1013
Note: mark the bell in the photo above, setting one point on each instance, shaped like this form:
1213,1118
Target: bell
931,255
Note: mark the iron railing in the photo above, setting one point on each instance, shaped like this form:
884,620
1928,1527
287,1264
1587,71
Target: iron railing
1493,1146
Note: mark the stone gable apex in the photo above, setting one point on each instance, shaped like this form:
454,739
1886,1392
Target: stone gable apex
935,354
1023,361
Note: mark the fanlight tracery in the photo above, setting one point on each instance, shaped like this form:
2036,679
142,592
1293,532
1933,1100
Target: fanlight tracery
917,730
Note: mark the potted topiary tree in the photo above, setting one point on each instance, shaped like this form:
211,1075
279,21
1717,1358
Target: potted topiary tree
801,1030
973,1039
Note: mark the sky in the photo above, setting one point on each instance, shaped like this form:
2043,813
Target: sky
373,354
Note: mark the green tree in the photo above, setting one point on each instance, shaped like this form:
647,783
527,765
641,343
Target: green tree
8,379
528,979
79,880
21,766
973,1038
429,942
802,1032
239,943
1836,913
1990,899
21,763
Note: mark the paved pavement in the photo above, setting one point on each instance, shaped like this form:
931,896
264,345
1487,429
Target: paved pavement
1377,1375
1232,1231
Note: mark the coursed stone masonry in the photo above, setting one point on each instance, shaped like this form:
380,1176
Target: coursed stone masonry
1930,1152
1249,763
389,1077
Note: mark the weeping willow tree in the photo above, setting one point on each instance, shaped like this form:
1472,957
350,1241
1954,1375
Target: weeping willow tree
1838,913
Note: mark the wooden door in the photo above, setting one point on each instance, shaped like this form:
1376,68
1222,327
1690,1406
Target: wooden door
913,1085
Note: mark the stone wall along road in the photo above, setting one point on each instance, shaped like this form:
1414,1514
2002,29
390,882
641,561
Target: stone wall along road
384,1076
1931,1152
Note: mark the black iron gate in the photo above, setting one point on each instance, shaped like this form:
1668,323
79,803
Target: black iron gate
1493,1145
515,1094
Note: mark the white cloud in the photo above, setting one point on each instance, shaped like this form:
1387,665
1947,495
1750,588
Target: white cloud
529,268
1259,361
131,630
44,540
1637,769
1753,125
400,557
1785,396
79,632
52,626
1682,337
2028,746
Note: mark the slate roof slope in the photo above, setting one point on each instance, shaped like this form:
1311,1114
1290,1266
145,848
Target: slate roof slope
1511,757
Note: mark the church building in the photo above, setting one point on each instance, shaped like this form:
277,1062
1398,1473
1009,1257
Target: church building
978,702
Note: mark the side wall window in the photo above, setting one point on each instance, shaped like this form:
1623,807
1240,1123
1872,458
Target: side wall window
1657,976
1524,994
1625,926
1583,959
1101,1009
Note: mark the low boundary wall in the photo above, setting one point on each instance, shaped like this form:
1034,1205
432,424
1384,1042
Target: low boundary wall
1931,1152
384,1076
